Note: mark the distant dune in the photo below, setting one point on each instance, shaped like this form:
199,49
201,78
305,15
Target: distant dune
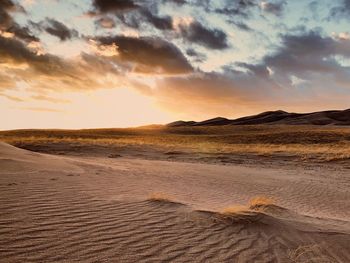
334,117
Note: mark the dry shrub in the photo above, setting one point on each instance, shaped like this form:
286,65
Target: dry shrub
231,210
309,253
260,202
256,203
160,197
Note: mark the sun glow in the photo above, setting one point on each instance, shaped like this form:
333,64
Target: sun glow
120,107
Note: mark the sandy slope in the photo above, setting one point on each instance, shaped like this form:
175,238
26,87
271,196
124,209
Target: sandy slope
56,209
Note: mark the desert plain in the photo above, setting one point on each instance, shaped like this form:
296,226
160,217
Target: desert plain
255,193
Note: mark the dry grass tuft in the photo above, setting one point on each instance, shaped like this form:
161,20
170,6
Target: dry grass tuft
232,210
260,202
309,253
160,197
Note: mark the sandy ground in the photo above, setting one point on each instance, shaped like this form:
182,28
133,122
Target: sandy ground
94,209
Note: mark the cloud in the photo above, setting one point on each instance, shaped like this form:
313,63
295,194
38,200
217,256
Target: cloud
340,11
210,94
241,25
341,36
108,50
42,72
145,15
195,32
309,53
41,109
198,57
107,6
161,23
49,99
58,29
7,24
6,82
13,98
105,22
302,72
15,52
275,8
150,55
236,8
177,2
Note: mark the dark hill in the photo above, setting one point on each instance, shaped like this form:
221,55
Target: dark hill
334,117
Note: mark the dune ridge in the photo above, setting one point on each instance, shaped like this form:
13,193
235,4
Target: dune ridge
83,215
331,117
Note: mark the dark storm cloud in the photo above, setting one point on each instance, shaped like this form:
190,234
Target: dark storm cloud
307,52
23,33
132,20
7,23
5,7
241,25
199,34
44,71
237,11
149,54
13,51
58,29
275,8
212,38
197,56
178,2
236,8
146,14
307,56
340,11
159,22
106,6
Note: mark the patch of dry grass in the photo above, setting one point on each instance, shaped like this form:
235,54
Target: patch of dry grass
236,209
160,197
258,203
309,253
319,143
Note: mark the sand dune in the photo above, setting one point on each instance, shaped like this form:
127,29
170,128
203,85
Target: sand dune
56,209
335,117
13,159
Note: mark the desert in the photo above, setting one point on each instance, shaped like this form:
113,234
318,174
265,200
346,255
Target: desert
145,131
127,195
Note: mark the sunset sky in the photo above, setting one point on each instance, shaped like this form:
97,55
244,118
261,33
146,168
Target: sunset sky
109,63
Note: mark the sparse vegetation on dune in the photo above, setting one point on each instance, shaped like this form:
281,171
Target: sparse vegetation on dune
309,253
258,203
235,209
160,197
319,143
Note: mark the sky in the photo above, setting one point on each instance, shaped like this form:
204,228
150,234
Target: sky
124,63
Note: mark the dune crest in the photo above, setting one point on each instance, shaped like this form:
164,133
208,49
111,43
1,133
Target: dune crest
335,117
13,159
